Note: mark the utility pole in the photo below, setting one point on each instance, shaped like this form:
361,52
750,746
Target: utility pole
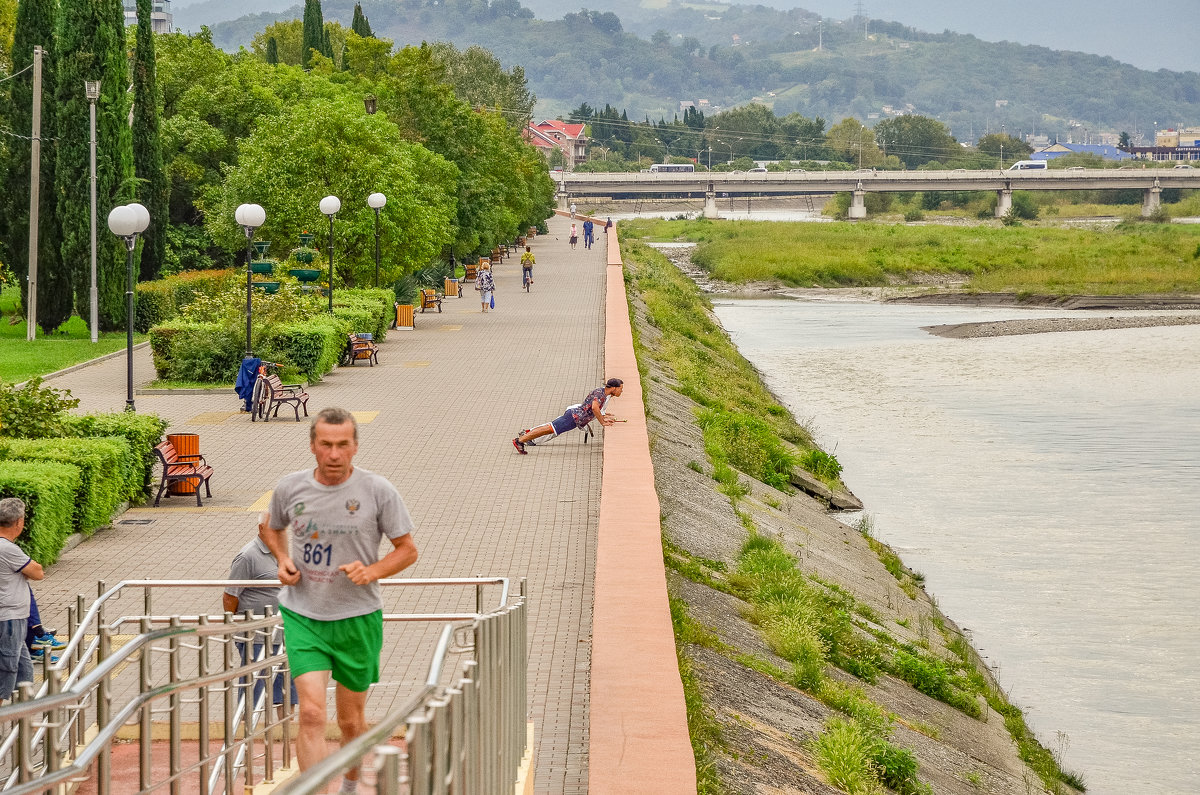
92,89
35,179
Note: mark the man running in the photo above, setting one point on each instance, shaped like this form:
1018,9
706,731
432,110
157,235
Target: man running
335,516
591,408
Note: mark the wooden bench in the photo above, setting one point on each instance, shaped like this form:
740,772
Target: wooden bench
178,467
431,298
281,394
361,349
470,271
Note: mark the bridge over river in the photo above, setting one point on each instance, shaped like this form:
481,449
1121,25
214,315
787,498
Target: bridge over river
1151,181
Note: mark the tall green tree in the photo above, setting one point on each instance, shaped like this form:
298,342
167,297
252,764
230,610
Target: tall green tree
91,46
359,24
329,146
314,32
152,190
272,51
917,140
34,27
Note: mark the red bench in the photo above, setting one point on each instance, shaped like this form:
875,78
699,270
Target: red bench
281,394
177,467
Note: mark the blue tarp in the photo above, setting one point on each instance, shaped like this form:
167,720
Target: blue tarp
247,374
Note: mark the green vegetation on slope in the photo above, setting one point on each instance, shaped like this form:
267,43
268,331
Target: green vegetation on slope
806,621
1133,258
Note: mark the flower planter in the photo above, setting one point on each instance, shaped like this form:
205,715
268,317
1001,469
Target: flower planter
305,274
270,288
304,256
262,266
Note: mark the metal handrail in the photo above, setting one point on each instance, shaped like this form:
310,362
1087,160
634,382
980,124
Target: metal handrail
62,703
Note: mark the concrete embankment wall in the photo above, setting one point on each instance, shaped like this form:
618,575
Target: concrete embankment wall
638,732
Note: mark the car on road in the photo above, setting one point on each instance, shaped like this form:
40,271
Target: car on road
1183,165
759,170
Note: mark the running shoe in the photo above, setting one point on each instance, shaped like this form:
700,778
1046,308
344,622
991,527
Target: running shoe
38,654
48,641
520,447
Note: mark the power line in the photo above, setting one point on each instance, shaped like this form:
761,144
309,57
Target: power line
16,74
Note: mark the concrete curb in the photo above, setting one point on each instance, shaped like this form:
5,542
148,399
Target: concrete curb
639,739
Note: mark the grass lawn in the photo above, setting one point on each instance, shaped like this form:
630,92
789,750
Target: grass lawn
21,359
1129,259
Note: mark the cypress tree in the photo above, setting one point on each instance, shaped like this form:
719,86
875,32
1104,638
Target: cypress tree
345,57
327,45
91,46
152,187
314,32
272,51
360,25
35,26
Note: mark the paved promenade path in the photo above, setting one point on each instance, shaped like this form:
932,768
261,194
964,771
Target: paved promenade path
436,416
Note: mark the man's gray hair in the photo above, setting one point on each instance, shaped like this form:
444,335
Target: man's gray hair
332,416
12,510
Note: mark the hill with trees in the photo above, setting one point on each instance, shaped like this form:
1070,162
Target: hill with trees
648,61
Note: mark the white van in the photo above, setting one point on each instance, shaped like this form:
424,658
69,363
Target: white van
1028,165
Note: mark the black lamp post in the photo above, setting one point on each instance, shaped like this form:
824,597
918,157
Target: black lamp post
330,206
127,222
376,201
249,217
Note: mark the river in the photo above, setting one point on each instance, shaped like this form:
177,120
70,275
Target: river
1045,484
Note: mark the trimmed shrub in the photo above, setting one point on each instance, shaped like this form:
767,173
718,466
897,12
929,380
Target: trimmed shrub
379,300
48,490
102,467
357,319
33,411
154,304
189,284
196,352
312,347
141,431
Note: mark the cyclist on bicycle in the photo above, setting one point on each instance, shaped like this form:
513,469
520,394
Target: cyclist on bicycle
527,265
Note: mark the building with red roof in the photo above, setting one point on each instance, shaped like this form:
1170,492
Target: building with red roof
563,136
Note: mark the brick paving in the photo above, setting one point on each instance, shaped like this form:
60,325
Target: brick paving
449,396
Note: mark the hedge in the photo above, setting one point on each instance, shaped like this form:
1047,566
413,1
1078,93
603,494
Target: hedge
141,431
103,467
380,301
312,347
48,490
197,351
155,304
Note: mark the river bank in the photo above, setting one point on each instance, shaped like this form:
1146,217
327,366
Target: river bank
808,651
948,292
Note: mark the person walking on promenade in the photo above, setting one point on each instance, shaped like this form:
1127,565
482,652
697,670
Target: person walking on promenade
527,263
592,407
574,235
334,517
572,211
589,236
486,286
255,562
16,570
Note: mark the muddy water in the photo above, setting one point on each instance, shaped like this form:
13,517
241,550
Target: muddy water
1046,485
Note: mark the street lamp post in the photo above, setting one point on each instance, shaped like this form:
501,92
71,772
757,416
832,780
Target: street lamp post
92,89
127,222
249,217
330,206
376,201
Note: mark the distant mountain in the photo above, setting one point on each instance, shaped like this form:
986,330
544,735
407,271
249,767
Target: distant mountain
789,60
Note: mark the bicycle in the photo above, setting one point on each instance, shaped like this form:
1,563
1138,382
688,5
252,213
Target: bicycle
258,398
526,278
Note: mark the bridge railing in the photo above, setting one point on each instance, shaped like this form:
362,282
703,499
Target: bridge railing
202,685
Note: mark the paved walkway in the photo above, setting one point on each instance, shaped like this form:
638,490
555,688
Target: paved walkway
436,418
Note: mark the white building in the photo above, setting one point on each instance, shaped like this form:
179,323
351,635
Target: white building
160,15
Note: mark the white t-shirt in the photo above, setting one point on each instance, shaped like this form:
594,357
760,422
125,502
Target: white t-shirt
328,526
14,589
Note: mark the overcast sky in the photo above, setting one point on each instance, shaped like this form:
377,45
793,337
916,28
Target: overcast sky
1150,34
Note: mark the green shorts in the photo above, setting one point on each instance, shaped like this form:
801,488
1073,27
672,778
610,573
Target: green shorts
348,647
